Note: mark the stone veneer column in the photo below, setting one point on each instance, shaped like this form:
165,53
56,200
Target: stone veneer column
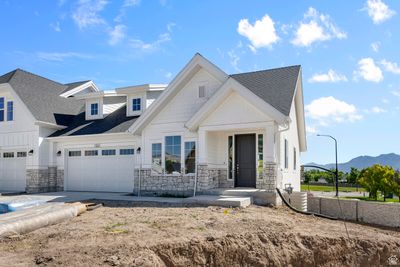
37,180
269,177
60,180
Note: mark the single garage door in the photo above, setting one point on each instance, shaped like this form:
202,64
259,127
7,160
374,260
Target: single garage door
12,171
103,170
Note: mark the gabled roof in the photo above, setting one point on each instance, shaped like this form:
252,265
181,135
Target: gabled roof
73,85
42,97
274,86
116,122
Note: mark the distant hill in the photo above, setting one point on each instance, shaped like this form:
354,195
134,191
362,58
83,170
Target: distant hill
362,162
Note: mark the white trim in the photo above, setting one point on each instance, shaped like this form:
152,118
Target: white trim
141,88
231,85
299,105
50,125
80,88
194,65
75,137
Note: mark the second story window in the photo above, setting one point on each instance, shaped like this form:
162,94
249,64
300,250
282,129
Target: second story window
10,111
136,104
94,109
1,108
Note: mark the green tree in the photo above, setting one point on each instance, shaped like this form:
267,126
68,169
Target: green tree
377,178
353,176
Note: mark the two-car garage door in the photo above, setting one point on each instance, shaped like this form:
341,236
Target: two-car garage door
12,171
103,170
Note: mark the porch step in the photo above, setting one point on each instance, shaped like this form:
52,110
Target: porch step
222,201
258,196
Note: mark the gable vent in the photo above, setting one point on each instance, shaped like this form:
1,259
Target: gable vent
202,91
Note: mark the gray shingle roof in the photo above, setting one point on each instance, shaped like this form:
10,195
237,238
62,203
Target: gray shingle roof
274,86
42,97
71,86
115,122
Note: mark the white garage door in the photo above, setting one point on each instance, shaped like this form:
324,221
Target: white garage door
12,171
103,170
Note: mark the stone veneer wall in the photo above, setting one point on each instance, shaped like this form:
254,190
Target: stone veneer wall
269,177
44,180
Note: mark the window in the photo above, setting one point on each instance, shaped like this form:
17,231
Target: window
286,154
190,157
202,91
136,104
21,154
108,152
76,153
156,157
173,154
230,157
127,151
89,153
94,109
260,165
8,154
10,111
294,159
1,108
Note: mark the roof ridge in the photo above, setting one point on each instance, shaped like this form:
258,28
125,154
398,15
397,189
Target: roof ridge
85,81
286,67
11,73
38,76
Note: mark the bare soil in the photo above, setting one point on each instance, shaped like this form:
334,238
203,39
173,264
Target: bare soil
133,234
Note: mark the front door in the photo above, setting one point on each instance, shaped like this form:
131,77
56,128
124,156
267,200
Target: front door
245,160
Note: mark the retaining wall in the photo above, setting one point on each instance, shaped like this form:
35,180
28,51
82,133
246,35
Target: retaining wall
385,214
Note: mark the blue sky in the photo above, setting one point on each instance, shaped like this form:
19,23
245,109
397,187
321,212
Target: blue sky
349,52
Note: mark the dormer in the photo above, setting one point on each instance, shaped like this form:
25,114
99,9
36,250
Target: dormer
140,97
100,104
79,88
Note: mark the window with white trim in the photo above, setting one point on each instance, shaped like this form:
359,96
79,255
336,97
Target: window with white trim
8,154
127,151
190,157
156,154
136,104
1,108
89,153
94,109
173,154
76,153
286,154
21,154
108,152
10,111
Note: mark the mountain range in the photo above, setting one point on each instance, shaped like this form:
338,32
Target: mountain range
362,162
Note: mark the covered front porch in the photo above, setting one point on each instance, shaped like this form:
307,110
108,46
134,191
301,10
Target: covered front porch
237,156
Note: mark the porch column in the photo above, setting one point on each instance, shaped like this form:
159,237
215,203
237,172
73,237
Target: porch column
269,181
202,147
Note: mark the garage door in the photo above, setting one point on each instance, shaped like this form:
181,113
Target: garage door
12,171
103,170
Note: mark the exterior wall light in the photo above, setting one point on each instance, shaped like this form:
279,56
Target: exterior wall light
138,150
30,153
59,153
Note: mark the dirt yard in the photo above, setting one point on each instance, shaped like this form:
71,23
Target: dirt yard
124,234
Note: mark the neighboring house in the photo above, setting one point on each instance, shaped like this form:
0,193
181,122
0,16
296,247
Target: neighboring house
206,129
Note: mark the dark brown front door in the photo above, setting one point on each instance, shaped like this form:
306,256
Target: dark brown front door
245,160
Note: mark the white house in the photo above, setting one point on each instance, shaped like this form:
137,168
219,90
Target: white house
204,130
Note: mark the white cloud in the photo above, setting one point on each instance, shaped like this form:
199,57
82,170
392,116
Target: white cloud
331,76
311,130
117,34
234,58
130,3
56,26
378,110
316,27
375,46
396,93
328,110
368,70
86,13
378,11
60,56
150,47
261,34
392,67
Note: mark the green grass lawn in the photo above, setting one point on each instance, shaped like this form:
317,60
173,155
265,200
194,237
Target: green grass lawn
325,188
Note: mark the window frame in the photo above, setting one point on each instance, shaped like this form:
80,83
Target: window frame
286,154
8,155
2,109
10,110
174,147
108,152
160,156
74,153
136,105
126,150
95,104
186,158
91,153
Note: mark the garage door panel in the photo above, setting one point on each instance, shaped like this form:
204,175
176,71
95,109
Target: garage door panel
112,173
12,172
